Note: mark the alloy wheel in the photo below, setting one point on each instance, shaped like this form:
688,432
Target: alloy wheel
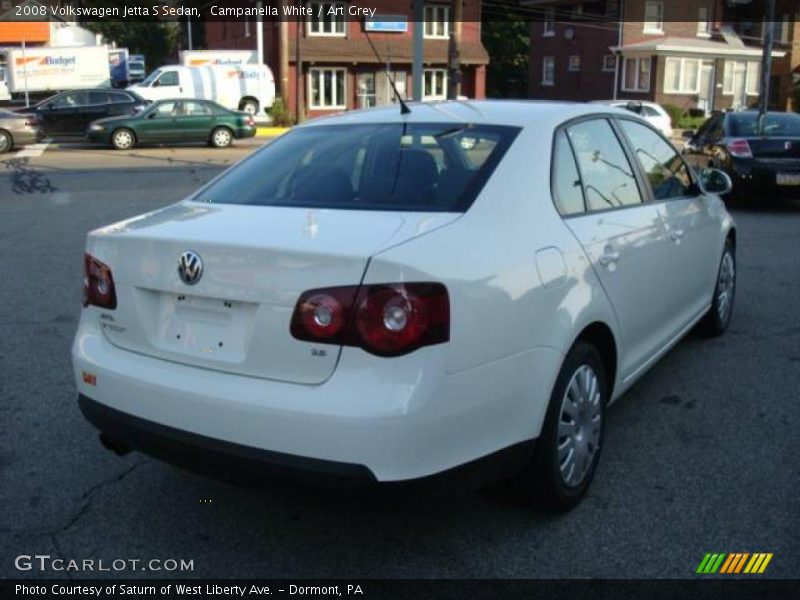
726,286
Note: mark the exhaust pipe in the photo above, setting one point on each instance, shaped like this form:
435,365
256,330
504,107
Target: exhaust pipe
116,447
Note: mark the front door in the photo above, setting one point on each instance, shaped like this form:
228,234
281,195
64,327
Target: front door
739,84
687,216
705,97
625,240
159,125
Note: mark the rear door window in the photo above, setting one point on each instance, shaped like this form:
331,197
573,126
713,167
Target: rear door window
394,166
98,98
566,181
607,176
666,172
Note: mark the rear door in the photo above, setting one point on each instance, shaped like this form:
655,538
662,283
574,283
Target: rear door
690,217
624,238
96,107
195,121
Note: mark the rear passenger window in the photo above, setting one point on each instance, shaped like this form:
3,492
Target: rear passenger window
607,176
667,174
98,98
566,181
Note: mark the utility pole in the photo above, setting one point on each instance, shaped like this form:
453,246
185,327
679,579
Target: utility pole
766,66
25,74
416,70
189,31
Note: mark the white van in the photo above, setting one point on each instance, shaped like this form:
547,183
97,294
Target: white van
239,87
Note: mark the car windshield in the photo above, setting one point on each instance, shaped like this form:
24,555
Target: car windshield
775,125
400,167
151,78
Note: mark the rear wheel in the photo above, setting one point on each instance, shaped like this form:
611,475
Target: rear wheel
221,137
568,449
6,141
718,317
250,106
123,139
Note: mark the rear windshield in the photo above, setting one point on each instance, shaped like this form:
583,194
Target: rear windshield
396,166
776,125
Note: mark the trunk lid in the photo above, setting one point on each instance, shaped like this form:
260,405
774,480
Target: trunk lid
256,263
775,148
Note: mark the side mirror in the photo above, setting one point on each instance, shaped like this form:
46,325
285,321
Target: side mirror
688,134
152,115
714,181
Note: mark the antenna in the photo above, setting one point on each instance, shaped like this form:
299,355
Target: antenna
404,110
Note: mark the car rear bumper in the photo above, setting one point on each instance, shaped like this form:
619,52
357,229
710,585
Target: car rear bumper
396,419
245,132
763,177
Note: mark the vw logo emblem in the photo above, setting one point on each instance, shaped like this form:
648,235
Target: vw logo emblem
787,145
190,267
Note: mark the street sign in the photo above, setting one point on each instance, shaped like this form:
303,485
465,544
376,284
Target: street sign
387,24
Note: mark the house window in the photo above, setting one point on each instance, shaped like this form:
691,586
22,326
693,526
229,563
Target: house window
575,62
753,77
783,33
654,16
327,18
437,21
682,76
365,90
548,70
636,75
549,25
326,88
735,71
609,63
703,22
434,84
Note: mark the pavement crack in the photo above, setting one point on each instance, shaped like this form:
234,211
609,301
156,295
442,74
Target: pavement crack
86,498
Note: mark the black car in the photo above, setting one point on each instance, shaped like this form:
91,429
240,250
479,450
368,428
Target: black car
758,162
70,113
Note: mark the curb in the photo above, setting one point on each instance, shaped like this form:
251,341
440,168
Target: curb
271,131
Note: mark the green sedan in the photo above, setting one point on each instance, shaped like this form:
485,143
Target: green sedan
168,121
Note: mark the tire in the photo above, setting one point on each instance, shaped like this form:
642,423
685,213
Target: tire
221,137
250,106
716,320
553,480
123,139
6,141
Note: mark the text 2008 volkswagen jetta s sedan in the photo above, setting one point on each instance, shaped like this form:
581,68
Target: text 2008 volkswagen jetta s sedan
395,296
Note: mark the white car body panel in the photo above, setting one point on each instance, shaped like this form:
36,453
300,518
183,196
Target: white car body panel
523,283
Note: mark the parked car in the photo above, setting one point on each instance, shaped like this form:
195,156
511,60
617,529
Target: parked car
175,121
18,130
390,297
650,111
70,113
758,163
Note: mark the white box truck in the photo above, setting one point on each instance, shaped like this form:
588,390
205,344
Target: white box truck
45,70
250,88
210,58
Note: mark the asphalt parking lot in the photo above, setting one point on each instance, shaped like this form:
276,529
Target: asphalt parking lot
700,456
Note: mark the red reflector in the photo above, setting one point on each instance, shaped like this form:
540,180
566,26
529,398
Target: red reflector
90,379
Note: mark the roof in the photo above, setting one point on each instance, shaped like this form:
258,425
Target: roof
698,46
517,113
332,49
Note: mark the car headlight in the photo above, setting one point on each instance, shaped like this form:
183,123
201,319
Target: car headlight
95,127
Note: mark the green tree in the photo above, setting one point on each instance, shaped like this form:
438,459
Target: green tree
508,44
155,39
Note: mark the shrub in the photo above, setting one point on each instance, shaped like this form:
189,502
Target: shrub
675,113
280,114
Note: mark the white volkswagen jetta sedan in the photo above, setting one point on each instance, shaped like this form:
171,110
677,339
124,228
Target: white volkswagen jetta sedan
461,289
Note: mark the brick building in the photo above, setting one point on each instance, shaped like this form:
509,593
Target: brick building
691,54
325,66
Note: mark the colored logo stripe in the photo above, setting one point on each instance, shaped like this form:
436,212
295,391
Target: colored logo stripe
734,562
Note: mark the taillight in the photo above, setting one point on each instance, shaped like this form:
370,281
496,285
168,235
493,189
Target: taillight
388,319
98,284
251,121
739,148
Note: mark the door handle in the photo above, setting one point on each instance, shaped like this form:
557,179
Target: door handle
676,235
608,257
